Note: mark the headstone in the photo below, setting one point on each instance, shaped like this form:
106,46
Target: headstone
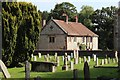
55,56
86,71
45,57
58,61
75,74
106,61
74,53
71,65
113,60
27,70
84,59
39,55
4,70
96,62
88,58
68,58
63,58
71,55
109,60
94,57
32,55
53,68
48,57
102,62
34,58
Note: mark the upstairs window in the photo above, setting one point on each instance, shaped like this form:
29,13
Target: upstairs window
75,39
51,39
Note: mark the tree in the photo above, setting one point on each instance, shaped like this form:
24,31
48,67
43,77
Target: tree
104,20
66,8
85,16
21,28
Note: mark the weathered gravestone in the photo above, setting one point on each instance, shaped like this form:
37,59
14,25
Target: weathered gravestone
71,65
88,58
94,57
34,58
102,62
71,55
109,60
75,74
84,59
39,55
86,71
96,62
27,70
4,70
68,57
32,55
106,61
63,58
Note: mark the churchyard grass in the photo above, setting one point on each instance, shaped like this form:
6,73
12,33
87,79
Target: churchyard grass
59,73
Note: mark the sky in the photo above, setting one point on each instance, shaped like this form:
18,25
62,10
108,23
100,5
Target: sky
47,5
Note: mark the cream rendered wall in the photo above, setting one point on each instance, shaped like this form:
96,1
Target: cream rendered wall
95,43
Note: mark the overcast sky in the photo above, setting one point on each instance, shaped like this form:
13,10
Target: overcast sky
47,5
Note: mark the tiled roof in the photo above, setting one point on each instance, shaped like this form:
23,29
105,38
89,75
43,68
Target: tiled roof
74,29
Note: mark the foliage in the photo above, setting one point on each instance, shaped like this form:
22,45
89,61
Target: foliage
104,20
66,8
21,27
84,16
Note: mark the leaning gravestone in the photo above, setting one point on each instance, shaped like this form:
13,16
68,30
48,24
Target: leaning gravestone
4,70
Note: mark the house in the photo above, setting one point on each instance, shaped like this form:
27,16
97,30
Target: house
61,35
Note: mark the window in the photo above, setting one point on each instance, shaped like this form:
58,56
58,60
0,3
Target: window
75,39
83,39
51,39
69,39
91,39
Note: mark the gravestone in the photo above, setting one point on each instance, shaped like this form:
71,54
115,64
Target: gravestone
68,58
71,55
63,58
34,58
71,65
88,58
113,60
32,55
75,74
86,71
45,57
94,57
116,56
102,62
106,61
109,60
55,56
39,55
96,62
4,70
84,59
27,70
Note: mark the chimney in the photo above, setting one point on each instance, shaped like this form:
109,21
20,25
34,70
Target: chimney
66,19
44,22
76,18
64,14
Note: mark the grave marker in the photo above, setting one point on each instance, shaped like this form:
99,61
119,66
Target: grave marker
88,58
34,58
58,61
39,55
96,62
71,65
32,55
84,59
27,70
4,70
102,62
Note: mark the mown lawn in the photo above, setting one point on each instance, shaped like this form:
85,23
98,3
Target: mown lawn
94,72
